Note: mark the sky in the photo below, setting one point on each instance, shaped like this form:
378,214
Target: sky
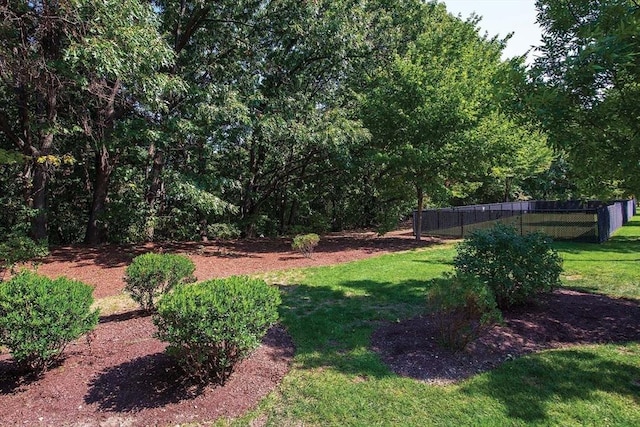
502,17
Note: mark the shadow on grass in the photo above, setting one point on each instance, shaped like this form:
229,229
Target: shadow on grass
528,385
332,327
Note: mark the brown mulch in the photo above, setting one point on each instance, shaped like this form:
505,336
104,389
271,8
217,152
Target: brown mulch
103,267
119,375
410,348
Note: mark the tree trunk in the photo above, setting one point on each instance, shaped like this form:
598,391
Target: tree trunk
96,230
38,202
155,187
420,194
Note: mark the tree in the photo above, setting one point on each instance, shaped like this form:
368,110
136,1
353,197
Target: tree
584,88
68,71
421,106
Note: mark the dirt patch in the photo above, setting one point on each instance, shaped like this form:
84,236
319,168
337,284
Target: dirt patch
560,319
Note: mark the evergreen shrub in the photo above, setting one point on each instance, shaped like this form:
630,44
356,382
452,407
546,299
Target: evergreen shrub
149,276
39,316
212,325
515,267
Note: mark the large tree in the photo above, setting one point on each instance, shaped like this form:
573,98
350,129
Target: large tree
68,70
424,103
585,89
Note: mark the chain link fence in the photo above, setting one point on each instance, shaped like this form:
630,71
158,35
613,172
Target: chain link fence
587,221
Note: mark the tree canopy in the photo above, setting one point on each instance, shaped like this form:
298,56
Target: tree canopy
585,86
132,121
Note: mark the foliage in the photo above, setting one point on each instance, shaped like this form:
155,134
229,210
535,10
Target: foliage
583,87
331,313
149,276
16,248
15,244
131,121
211,326
463,307
305,243
432,108
222,231
515,267
40,316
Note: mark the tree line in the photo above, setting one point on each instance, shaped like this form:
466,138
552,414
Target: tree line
131,120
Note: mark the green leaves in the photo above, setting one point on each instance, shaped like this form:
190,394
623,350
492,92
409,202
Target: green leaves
211,326
515,267
586,82
149,276
40,316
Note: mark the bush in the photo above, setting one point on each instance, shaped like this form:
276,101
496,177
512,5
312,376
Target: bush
515,267
16,248
211,326
40,316
305,243
222,231
150,276
463,308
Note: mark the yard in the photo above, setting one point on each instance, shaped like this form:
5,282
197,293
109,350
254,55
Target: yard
355,350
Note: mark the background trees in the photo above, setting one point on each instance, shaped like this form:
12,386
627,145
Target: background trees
191,120
585,87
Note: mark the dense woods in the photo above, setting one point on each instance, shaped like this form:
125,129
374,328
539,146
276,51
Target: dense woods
129,121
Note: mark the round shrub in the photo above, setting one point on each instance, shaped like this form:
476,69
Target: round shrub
515,267
463,307
305,243
149,276
40,316
211,326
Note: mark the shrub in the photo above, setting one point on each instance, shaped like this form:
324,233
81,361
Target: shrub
305,243
40,316
515,267
223,231
463,308
211,326
149,276
16,248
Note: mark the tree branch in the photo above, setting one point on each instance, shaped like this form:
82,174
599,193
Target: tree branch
192,25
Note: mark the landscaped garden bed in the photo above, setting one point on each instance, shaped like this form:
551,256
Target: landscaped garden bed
345,329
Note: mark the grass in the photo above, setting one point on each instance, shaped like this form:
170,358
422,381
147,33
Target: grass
337,379
611,268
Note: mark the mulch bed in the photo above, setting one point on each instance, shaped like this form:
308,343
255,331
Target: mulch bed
410,348
119,375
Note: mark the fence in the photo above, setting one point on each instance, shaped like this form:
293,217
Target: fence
589,221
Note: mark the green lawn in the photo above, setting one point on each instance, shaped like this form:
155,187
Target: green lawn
337,380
